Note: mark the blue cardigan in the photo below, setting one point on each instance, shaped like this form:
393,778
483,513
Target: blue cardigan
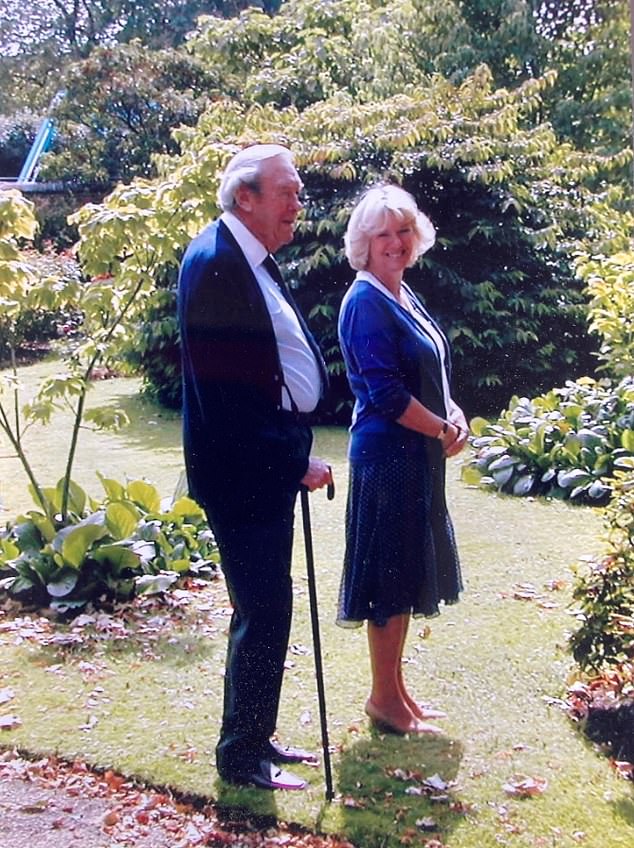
389,359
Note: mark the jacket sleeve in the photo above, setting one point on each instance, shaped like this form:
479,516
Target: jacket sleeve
369,338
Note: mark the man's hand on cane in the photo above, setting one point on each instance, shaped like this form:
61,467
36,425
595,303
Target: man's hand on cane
318,474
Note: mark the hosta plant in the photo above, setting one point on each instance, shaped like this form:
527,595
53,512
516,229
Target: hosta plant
129,543
565,444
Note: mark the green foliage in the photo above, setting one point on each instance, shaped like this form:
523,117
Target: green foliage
106,304
16,137
604,586
565,444
127,544
610,285
119,107
38,39
154,350
28,331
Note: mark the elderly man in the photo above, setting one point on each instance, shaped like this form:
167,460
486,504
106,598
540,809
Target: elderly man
251,375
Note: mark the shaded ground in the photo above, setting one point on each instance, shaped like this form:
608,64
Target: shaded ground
51,804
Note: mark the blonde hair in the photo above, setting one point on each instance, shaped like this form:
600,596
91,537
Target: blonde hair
369,216
244,169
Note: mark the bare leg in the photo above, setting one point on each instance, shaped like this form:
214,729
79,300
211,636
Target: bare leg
418,710
386,704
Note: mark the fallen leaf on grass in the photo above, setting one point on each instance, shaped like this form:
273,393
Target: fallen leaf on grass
524,592
523,786
9,722
624,769
37,807
555,585
6,695
352,803
436,783
111,818
427,824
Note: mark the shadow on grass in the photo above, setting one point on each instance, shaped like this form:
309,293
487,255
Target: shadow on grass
384,795
245,808
151,427
624,808
179,650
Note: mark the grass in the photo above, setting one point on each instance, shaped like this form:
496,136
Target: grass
149,704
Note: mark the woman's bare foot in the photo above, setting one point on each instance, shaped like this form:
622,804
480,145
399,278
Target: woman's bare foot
423,711
404,722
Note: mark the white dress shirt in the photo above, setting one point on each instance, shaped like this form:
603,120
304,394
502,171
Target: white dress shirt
302,380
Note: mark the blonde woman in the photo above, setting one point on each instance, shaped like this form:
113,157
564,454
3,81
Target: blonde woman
401,558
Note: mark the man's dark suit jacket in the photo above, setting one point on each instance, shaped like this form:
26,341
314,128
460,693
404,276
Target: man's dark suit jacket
243,455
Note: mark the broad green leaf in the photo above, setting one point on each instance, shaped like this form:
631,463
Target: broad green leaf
478,426
43,524
73,542
150,584
502,476
573,477
145,495
188,508
503,462
63,583
76,496
598,489
114,490
121,520
181,566
627,440
52,502
118,556
523,485
8,550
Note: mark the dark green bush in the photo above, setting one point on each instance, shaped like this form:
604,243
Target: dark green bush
604,586
563,444
129,544
16,137
155,350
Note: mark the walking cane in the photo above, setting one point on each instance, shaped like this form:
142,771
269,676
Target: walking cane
314,618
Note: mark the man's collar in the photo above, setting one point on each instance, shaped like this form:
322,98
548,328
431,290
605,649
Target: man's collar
253,249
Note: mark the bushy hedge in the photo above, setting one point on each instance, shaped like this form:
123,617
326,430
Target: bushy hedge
564,444
129,543
604,586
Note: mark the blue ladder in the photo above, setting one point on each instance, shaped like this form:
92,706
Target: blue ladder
43,141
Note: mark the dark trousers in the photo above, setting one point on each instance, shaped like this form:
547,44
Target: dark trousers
256,561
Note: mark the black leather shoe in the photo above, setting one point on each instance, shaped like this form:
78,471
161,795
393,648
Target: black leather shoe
285,754
266,775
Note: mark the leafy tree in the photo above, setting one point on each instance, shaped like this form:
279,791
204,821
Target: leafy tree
378,49
38,39
119,108
510,203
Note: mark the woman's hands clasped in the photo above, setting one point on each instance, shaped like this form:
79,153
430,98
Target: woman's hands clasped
455,438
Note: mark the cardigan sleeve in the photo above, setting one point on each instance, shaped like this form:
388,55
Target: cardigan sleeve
369,338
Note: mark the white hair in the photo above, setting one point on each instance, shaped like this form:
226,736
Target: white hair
244,169
369,216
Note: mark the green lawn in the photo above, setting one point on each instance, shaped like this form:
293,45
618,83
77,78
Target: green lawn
148,703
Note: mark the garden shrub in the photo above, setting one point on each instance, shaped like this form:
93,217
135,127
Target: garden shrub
564,444
154,351
604,586
128,544
29,331
610,285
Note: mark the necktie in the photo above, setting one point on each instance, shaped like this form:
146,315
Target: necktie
273,268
